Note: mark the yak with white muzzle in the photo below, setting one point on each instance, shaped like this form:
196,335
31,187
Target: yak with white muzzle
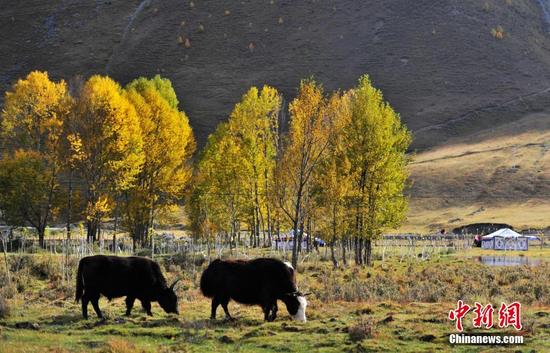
253,282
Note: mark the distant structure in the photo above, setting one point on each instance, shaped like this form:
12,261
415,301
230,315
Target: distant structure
506,239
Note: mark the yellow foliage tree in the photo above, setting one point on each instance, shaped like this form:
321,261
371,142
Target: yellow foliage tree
235,171
30,130
170,143
104,134
217,197
253,125
332,184
306,143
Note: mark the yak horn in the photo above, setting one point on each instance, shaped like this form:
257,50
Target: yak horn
174,284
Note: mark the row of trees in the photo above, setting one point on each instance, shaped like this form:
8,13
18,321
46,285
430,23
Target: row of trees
93,149
338,170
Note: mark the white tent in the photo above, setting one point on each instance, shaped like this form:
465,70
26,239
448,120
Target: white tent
506,239
508,233
504,233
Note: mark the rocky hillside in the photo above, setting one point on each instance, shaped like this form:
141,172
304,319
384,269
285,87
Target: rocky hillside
450,67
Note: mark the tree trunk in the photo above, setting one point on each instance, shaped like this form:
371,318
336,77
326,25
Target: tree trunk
368,252
115,230
344,256
295,245
91,227
41,232
332,255
69,204
333,240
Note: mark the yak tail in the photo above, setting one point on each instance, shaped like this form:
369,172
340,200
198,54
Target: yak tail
79,284
207,285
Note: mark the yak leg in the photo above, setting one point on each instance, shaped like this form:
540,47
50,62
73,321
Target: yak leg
268,306
273,315
266,309
146,306
224,303
95,303
215,303
85,301
129,305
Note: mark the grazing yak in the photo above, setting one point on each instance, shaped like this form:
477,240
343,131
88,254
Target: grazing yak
114,277
256,282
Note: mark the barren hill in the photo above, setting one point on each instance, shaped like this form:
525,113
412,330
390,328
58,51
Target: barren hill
499,175
440,63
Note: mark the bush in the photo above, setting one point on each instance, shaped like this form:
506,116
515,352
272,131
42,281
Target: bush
144,252
4,307
363,329
9,290
47,268
20,262
120,346
180,260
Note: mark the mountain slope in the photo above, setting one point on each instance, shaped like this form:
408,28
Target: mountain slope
437,61
499,175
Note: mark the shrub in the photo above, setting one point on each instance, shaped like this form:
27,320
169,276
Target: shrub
19,262
9,290
47,268
4,307
363,329
144,252
120,346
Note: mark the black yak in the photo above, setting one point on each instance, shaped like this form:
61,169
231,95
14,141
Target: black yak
114,277
256,282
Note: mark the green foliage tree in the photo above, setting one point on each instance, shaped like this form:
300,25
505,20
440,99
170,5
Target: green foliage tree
169,142
376,144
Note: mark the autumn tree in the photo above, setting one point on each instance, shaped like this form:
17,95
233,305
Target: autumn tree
105,144
253,125
376,142
235,172
307,141
30,131
332,182
169,142
217,199
28,191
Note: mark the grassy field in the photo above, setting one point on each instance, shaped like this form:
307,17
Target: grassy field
394,306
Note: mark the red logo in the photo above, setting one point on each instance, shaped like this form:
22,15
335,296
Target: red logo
508,315
484,315
458,314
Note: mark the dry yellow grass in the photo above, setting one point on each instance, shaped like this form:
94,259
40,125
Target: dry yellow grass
497,175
